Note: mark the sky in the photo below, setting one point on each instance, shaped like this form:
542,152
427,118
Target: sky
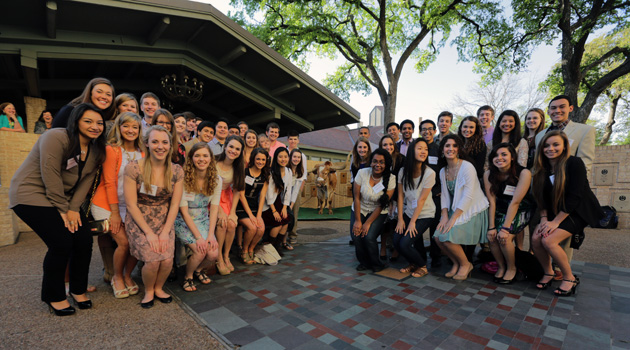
424,95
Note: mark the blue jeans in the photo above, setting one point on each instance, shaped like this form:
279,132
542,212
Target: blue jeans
412,248
366,246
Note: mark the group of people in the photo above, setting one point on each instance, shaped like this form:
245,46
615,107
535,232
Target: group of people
163,183
481,185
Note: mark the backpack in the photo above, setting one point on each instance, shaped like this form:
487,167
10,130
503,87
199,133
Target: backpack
610,219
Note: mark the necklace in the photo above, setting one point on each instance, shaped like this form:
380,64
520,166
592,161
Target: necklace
128,154
451,184
375,179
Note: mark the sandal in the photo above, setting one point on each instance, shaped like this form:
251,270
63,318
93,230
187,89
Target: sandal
246,259
566,293
133,289
119,293
544,285
408,269
229,265
420,272
189,285
223,270
202,277
287,246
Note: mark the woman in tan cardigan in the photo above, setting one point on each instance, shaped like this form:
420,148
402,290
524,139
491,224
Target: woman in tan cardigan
46,193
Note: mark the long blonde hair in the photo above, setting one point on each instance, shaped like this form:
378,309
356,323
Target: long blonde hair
147,174
190,175
542,165
115,136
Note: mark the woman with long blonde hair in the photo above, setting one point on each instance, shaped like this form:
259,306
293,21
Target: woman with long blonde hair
109,201
153,189
195,225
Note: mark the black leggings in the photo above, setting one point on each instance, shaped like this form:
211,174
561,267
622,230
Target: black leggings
63,247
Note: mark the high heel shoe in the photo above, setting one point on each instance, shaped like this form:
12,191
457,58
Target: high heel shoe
83,305
463,278
565,293
223,270
544,285
229,265
119,293
450,274
61,312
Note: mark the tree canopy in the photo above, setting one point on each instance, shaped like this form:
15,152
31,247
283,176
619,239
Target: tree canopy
374,38
507,45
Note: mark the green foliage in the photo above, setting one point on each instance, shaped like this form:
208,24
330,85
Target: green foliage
375,38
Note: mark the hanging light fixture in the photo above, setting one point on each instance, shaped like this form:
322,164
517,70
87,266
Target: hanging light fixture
182,88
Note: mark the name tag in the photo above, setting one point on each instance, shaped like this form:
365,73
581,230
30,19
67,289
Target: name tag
509,190
249,180
552,178
153,191
570,142
414,204
72,162
433,160
189,196
378,187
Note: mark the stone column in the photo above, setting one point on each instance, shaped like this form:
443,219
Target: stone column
34,107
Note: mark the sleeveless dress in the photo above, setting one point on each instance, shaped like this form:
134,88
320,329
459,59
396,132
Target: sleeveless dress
252,195
198,208
523,214
226,192
154,209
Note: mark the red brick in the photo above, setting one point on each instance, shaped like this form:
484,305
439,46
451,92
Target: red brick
386,313
404,285
407,301
451,294
401,345
540,306
524,337
408,290
316,333
335,289
514,296
544,346
533,320
365,305
493,321
485,294
369,294
328,330
441,301
504,307
431,309
374,334
506,332
412,309
312,286
438,318
295,292
306,279
292,306
471,337
327,298
396,297
349,323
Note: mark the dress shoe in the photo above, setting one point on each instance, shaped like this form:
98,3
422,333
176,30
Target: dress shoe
147,305
83,305
61,312
166,300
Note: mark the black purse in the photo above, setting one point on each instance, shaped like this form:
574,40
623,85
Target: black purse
97,227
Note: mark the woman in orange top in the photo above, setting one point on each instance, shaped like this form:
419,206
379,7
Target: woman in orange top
109,201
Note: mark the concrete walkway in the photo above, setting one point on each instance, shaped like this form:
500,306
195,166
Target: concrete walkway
314,299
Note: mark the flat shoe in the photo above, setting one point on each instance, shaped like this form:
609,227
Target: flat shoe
166,300
147,305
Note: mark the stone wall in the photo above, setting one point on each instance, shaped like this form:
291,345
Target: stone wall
610,180
14,147
34,107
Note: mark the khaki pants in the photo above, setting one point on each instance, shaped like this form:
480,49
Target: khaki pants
296,210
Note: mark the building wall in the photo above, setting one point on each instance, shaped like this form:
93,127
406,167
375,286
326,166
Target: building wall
610,180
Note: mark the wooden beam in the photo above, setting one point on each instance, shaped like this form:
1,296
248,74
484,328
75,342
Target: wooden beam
28,61
285,89
197,32
51,19
232,55
158,30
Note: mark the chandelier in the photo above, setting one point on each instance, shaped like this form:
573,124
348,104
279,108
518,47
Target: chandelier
182,88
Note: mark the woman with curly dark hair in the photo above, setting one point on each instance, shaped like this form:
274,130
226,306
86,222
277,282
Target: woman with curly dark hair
511,206
373,189
509,130
464,219
197,219
470,131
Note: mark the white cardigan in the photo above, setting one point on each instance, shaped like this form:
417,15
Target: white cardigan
467,195
271,196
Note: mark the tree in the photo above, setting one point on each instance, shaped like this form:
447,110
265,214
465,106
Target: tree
615,92
507,93
374,38
507,45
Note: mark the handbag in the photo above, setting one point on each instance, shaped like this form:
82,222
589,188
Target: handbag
97,227
267,254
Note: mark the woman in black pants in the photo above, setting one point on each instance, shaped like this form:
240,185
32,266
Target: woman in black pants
46,193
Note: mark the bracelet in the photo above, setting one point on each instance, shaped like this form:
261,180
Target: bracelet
543,216
506,228
492,228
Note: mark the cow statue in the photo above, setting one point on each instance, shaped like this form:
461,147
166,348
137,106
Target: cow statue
326,183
